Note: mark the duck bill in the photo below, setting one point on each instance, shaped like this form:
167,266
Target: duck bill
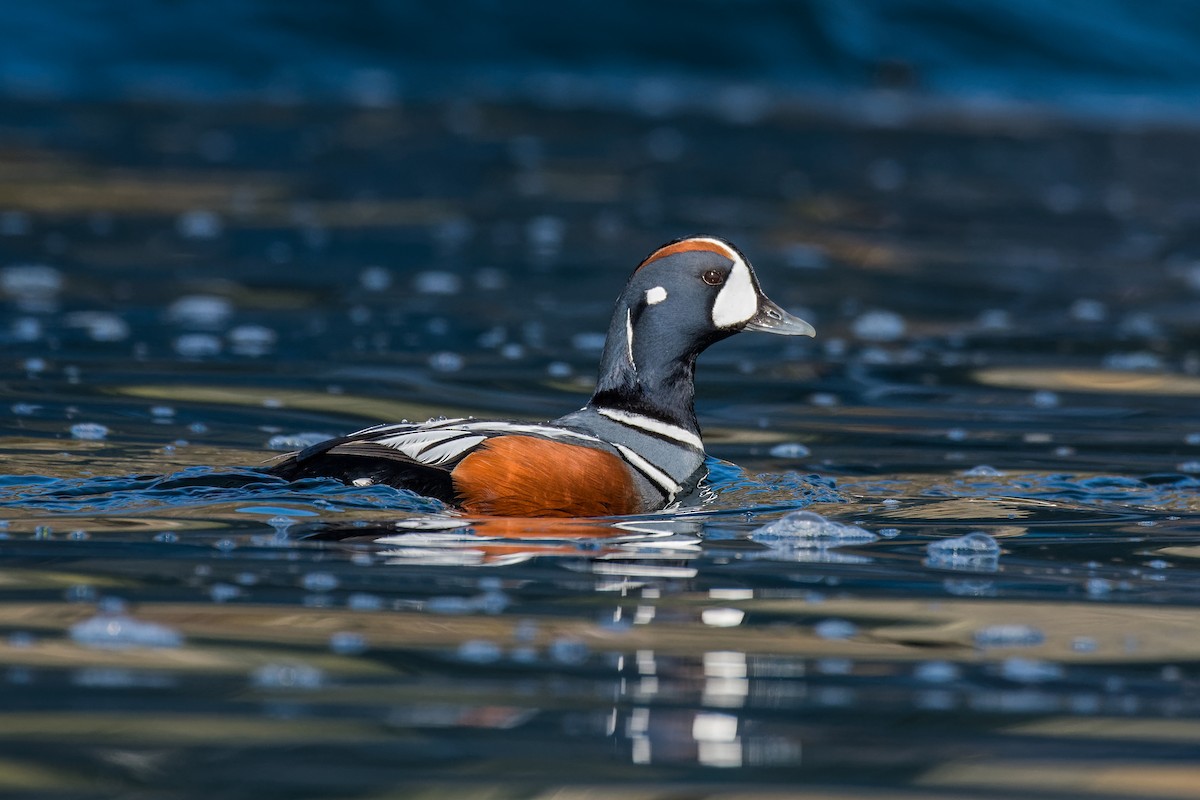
773,319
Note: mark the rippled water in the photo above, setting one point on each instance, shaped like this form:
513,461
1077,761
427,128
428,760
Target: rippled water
950,548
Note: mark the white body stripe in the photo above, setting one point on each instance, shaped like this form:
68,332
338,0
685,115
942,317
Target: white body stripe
653,426
441,442
737,301
661,479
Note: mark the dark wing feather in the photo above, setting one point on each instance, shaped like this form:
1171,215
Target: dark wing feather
356,457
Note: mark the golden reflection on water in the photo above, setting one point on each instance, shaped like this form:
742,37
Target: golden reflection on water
1106,381
905,630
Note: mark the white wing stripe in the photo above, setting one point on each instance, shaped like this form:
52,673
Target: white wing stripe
656,475
439,454
653,426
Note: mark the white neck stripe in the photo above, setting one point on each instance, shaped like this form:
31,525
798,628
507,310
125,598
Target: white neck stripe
629,337
653,426
656,475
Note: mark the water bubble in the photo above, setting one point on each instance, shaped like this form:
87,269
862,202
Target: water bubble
956,435
288,676
545,235
974,552
492,602
376,279
166,537
994,319
27,329
198,427
1189,467
437,282
24,409
296,441
197,345
568,650
937,672
974,543
361,601
807,526
479,651
1009,635
879,326
347,643
1192,439
790,450
252,340
983,471
722,617
1085,310
446,361
1140,361
824,399
198,224
319,582
1043,398
1083,644
80,593
1030,670
450,605
116,631
559,369
203,311
35,287
21,640
835,629
1140,324
89,431
222,592
101,326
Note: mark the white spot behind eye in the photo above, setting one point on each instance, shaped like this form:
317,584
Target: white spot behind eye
737,301
656,295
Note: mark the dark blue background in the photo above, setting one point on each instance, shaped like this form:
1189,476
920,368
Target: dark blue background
1109,56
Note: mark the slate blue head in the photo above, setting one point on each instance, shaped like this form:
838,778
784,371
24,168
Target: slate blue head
683,297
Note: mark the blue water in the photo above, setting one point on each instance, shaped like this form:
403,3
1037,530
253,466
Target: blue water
948,548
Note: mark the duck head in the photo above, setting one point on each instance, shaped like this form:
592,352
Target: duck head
682,298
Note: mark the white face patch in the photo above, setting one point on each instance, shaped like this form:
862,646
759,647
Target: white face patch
656,295
737,301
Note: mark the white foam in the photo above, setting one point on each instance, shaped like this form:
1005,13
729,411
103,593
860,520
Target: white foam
118,631
815,530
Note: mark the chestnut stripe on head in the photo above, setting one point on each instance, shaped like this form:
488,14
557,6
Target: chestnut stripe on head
689,246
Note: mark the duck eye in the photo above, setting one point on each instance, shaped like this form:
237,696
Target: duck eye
713,277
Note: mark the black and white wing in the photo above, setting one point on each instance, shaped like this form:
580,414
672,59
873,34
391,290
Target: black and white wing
419,457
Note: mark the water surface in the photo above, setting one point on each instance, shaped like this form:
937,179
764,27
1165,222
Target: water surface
1008,351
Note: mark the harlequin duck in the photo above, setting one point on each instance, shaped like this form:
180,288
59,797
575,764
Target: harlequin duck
635,447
